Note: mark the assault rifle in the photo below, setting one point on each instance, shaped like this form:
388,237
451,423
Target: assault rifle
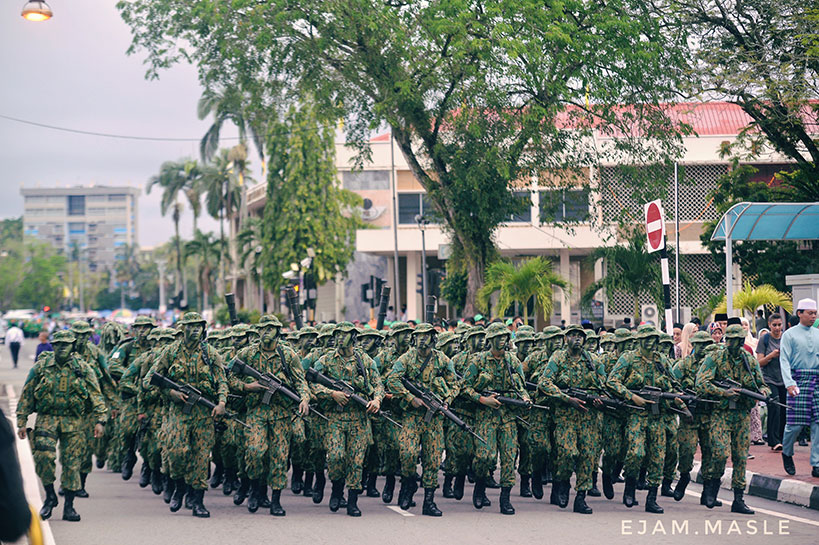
513,401
346,389
653,395
195,397
434,405
271,384
608,403
729,384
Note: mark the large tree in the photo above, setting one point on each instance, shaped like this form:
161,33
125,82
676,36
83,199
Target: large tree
480,96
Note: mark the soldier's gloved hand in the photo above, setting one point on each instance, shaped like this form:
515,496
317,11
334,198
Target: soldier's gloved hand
417,403
218,410
178,396
373,406
637,400
490,401
254,387
99,430
578,404
304,407
340,397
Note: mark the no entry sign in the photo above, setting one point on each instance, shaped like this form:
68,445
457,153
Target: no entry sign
655,226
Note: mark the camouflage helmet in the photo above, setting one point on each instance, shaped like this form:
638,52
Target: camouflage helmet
445,338
192,318
525,333
574,327
345,327
218,334
621,335
551,331
607,337
734,331
665,338
423,327
269,320
326,330
590,334
645,331
397,327
701,337
239,330
307,330
168,333
144,321
461,328
496,330
474,330
153,335
63,336
370,332
80,326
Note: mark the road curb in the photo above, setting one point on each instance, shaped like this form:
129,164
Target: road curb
772,488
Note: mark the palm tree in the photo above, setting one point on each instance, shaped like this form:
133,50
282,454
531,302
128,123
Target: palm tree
228,105
248,241
750,298
517,283
208,250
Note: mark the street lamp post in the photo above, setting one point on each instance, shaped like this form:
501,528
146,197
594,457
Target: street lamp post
163,307
258,250
422,222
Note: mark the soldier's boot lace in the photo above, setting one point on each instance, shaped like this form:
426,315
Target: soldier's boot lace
651,501
608,486
50,502
682,484
189,497
506,505
69,513
253,499
241,493
458,487
580,505
594,492
168,485
389,489
335,495
525,490
178,495
297,480
537,485
318,487
477,494
563,494
665,489
628,492
198,509
641,479
447,489
308,484
352,503
230,478
739,503
429,508
275,505
218,476
156,482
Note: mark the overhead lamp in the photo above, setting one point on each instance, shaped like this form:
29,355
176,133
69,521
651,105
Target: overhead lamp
36,11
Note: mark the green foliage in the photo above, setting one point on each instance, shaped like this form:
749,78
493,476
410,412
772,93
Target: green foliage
38,283
453,289
519,282
11,230
751,297
305,208
245,316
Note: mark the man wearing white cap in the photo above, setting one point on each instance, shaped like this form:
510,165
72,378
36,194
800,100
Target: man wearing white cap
799,360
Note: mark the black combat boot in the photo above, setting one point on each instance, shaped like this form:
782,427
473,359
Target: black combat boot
706,486
710,491
167,486
608,486
739,503
128,462
546,476
198,509
308,484
241,493
580,505
264,502
491,482
275,505
665,490
447,490
525,491
505,505
69,513
336,494
253,499
297,480
318,487
594,492
100,462
641,479
628,492
537,485
50,502
81,493
458,487
478,493
563,494
178,495
372,491
679,491
409,485
230,478
218,476
156,482
189,497
352,503
389,489
651,501
554,493
429,508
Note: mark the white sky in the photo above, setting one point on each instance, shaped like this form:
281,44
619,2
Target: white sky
72,71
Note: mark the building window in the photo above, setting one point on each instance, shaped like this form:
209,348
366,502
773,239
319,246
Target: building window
76,228
116,198
412,204
525,216
366,180
76,205
564,205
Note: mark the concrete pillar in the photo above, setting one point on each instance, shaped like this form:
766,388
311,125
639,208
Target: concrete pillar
565,272
413,302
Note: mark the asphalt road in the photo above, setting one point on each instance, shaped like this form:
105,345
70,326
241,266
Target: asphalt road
120,513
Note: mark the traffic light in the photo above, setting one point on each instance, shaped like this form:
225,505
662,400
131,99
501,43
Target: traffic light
419,283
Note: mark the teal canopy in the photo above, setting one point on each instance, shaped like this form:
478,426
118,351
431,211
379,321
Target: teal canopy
769,221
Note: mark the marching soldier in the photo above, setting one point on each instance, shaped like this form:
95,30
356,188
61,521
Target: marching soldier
524,342
614,424
300,455
369,341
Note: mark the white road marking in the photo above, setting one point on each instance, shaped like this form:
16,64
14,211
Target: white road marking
399,511
30,479
763,511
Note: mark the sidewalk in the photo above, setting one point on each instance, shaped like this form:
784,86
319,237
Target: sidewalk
766,477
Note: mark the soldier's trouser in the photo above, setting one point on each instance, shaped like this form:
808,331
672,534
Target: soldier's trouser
69,431
576,440
219,435
645,436
538,438
687,437
613,441
128,426
346,443
460,446
299,445
525,453
114,447
429,438
190,441
316,432
386,443
89,443
231,439
730,434
502,439
267,444
150,449
670,462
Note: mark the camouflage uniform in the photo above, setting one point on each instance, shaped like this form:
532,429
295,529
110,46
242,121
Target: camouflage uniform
524,339
300,444
371,338
670,419
730,421
614,423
